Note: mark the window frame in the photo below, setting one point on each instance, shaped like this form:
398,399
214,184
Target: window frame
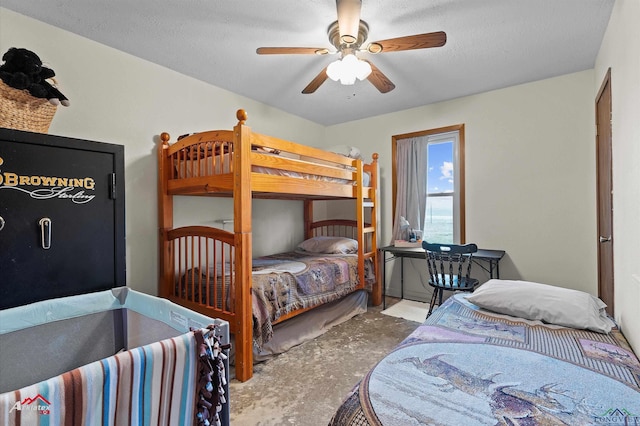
460,173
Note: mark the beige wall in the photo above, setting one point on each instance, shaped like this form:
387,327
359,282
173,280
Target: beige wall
620,51
121,99
530,175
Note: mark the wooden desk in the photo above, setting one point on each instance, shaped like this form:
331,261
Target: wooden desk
489,260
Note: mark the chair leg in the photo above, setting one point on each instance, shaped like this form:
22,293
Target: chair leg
433,300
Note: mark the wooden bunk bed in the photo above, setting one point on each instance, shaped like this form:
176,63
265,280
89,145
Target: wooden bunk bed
243,165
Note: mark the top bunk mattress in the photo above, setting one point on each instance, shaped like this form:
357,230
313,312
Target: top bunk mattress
218,164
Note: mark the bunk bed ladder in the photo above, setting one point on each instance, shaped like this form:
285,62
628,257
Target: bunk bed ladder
369,234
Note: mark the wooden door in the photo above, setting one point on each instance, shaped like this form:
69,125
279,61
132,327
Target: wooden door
605,193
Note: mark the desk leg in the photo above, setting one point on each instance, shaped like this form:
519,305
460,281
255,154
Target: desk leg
494,265
384,280
401,278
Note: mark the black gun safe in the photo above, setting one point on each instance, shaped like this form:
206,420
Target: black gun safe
62,230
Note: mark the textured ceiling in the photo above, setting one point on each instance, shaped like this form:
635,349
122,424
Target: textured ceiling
490,44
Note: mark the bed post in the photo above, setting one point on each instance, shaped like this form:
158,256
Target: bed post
308,218
165,218
242,241
376,293
360,221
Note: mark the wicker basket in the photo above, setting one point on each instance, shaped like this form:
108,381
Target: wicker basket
19,110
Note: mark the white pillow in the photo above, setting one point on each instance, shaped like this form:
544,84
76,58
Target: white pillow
547,303
329,245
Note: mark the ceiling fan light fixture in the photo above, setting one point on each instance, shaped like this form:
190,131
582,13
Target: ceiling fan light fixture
363,69
348,69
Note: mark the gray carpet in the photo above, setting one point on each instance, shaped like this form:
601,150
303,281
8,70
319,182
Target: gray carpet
305,385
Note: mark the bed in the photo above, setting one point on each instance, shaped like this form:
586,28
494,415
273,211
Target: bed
468,365
111,357
281,283
212,271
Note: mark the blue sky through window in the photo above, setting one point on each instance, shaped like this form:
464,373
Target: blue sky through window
438,226
440,173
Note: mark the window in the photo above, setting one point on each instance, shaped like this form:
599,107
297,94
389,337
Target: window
440,213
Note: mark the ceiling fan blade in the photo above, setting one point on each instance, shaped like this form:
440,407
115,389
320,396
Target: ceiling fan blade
348,19
379,80
292,51
316,82
418,41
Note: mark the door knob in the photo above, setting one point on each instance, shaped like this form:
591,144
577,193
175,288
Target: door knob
605,239
1,223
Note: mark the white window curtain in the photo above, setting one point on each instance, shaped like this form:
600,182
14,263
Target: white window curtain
411,181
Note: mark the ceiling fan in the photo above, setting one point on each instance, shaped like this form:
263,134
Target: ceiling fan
348,35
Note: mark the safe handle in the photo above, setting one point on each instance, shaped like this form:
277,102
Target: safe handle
45,232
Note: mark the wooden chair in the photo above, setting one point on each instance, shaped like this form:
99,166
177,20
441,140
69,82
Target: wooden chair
449,269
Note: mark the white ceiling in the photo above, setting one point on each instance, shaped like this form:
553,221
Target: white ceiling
490,44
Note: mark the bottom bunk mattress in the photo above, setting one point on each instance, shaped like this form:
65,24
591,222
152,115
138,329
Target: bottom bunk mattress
111,357
467,366
307,326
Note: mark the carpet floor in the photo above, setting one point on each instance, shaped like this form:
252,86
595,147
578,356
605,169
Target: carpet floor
305,385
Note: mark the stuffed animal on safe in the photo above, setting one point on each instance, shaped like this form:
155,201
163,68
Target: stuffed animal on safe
23,70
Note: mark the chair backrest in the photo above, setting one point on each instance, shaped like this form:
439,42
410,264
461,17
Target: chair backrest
449,264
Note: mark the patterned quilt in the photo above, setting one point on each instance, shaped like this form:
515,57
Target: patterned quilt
283,283
286,282
464,366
